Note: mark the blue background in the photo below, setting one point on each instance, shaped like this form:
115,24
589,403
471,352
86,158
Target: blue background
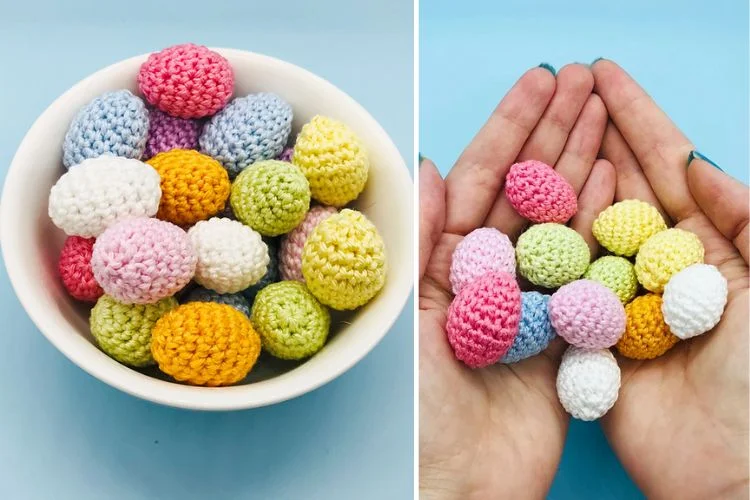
65,435
692,56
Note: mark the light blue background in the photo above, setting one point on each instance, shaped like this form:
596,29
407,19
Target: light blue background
692,56
65,435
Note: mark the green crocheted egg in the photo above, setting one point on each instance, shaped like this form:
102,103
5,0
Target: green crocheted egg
551,255
617,274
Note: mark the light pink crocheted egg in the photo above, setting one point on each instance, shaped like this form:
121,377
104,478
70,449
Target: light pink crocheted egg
587,314
540,194
483,319
290,251
482,251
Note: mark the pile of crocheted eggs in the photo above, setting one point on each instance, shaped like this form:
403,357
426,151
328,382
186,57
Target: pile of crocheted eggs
651,291
203,230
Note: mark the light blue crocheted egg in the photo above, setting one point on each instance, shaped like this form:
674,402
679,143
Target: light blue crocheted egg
115,123
535,331
249,129
236,300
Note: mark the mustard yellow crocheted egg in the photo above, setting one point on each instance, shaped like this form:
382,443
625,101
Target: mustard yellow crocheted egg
665,254
646,335
626,225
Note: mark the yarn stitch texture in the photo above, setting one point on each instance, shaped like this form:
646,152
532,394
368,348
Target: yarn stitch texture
623,227
167,132
248,130
75,271
694,300
123,331
231,256
483,319
270,196
646,335
588,382
333,159
291,322
140,260
540,194
665,254
98,192
236,300
187,81
617,274
535,330
286,155
343,261
204,343
551,255
194,186
481,251
115,123
272,270
292,244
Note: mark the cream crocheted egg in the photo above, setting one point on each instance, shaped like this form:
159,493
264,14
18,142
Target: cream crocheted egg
694,300
588,382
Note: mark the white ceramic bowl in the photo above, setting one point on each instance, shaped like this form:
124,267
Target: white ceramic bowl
31,243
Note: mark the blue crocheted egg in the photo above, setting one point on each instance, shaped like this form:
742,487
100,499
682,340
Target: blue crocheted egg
535,331
272,271
236,300
248,129
115,123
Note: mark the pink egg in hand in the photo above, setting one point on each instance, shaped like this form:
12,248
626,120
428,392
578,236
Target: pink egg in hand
540,194
481,251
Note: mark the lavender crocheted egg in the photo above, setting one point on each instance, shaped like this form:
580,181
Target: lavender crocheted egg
168,132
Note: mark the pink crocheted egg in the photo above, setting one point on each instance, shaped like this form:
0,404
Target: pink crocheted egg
587,314
290,252
482,251
540,194
187,81
141,261
483,319
75,271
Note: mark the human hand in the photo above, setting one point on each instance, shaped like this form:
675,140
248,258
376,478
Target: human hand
499,431
680,425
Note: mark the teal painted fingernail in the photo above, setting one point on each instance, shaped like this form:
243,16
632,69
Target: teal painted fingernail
421,159
596,60
697,154
549,68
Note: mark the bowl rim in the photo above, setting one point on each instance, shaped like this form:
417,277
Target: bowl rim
170,393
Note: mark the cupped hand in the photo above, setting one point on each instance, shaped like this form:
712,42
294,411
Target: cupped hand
499,431
680,425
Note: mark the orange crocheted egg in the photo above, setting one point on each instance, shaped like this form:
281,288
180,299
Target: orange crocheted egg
646,335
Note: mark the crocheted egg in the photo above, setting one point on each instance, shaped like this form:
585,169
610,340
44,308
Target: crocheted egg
616,273
481,251
75,271
123,331
98,192
290,255
286,155
248,130
270,196
193,186
236,300
665,254
343,261
167,132
333,159
187,80
272,270
483,319
646,335
694,300
588,382
551,255
623,227
587,314
291,322
115,123
540,194
535,330
140,260
231,256
204,343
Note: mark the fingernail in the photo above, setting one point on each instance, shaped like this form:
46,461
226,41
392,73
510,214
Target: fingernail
421,159
697,154
596,61
549,68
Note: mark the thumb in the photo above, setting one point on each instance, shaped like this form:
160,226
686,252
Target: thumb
431,211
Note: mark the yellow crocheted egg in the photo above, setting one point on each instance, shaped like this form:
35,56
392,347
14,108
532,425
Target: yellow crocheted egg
665,254
646,335
551,255
333,159
193,186
343,261
617,274
205,343
626,225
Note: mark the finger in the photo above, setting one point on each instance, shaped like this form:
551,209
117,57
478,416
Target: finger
475,180
723,200
597,194
659,146
431,211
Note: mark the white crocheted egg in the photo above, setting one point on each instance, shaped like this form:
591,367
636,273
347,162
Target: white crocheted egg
98,192
694,300
588,382
231,256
